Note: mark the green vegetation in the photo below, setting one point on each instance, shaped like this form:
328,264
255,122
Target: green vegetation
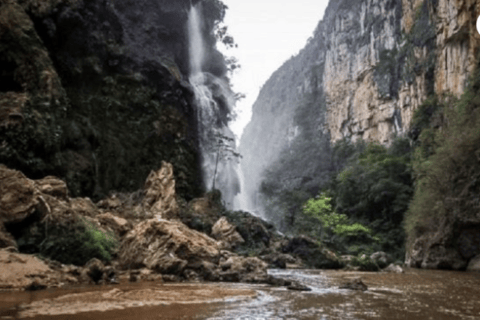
370,194
446,165
73,242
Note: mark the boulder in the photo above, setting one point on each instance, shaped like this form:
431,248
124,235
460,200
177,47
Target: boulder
94,269
118,225
355,284
52,186
474,264
160,196
393,268
226,233
381,259
279,260
6,239
18,196
256,232
26,271
297,286
244,269
166,247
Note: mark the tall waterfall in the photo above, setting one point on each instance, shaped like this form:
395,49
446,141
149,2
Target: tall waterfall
213,98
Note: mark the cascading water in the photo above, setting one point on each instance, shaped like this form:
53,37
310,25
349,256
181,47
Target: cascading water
213,98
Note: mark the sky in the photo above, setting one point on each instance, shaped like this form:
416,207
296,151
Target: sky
267,33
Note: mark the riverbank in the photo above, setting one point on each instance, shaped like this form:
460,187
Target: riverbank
414,295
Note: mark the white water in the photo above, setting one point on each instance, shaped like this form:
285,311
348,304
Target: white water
211,95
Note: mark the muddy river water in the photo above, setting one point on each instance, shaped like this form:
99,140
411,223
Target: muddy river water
415,294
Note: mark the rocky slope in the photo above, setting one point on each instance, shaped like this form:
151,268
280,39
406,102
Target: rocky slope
363,73
154,236
97,92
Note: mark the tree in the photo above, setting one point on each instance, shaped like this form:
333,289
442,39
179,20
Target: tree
225,151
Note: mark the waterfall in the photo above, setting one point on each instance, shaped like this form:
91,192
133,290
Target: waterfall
213,98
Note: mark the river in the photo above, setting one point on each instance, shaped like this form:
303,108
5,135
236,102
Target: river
415,294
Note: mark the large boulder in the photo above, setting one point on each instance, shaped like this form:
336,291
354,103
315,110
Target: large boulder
18,196
256,232
166,247
381,258
160,196
226,233
244,269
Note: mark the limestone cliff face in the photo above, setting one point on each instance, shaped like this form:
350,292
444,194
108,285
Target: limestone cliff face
367,68
96,92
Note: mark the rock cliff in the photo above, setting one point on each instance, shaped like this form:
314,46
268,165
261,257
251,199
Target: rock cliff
365,70
97,92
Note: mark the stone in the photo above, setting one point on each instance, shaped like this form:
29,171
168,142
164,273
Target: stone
393,268
225,232
160,196
95,268
381,258
474,264
243,269
297,286
167,247
355,284
20,271
18,196
52,186
279,260
119,225
6,239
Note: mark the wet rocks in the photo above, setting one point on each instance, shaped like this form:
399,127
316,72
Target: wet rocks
226,233
244,269
355,284
297,286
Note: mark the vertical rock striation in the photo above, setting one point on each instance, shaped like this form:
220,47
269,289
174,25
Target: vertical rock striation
363,73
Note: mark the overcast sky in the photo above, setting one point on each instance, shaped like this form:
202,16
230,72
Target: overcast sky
267,33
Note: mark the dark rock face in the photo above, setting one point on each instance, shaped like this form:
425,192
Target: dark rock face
311,253
97,92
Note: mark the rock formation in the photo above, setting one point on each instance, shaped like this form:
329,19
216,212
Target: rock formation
365,70
368,66
97,93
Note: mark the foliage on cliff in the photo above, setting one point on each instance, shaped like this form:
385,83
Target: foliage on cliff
446,163
367,189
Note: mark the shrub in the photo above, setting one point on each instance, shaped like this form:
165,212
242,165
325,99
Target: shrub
70,243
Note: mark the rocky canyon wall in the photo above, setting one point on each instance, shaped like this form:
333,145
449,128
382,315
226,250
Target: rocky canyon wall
365,70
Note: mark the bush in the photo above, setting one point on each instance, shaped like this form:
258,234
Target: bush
448,175
70,243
